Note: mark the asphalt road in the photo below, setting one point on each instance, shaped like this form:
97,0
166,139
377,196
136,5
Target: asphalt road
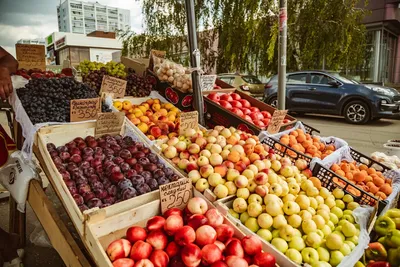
366,138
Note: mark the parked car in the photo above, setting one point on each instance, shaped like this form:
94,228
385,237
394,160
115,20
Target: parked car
247,83
323,92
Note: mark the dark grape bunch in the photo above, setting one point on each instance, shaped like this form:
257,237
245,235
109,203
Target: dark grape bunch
103,171
48,99
137,86
94,79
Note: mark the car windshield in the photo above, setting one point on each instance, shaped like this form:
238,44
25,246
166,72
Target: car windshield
251,79
343,79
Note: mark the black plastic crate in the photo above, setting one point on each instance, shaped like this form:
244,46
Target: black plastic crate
361,158
331,180
284,150
310,130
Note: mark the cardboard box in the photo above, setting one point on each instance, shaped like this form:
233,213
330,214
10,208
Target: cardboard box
139,65
217,115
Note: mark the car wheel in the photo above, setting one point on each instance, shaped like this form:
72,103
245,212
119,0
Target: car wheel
273,102
357,112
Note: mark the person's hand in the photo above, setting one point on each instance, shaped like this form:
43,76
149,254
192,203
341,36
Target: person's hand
6,87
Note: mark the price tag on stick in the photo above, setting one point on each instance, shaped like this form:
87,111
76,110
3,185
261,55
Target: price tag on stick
188,120
175,194
109,123
113,85
84,109
207,82
276,121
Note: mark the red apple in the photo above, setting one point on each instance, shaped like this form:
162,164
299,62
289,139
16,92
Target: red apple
266,114
185,235
155,223
157,239
237,111
236,104
124,262
214,217
141,250
245,103
197,220
118,249
172,224
172,249
251,245
191,255
246,111
234,248
235,96
213,97
136,233
159,258
224,232
226,97
235,261
225,104
205,235
211,253
219,264
264,259
173,211
144,263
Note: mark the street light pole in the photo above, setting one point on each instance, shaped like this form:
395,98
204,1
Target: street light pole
194,59
282,54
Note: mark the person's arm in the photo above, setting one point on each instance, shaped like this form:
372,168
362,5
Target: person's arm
8,65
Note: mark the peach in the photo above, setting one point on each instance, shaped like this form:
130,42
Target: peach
172,249
205,235
159,258
185,235
221,169
157,239
224,232
197,205
251,245
191,255
136,233
234,248
124,262
234,156
214,217
172,224
141,250
144,263
118,249
211,253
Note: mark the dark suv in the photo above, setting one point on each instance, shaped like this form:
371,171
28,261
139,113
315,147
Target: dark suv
329,93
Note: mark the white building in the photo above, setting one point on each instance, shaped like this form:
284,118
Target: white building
86,17
37,41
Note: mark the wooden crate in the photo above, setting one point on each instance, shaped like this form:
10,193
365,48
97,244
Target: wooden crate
100,234
61,134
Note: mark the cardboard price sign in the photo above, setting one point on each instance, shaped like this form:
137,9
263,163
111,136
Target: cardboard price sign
276,121
84,109
31,56
207,82
113,85
188,120
109,123
175,194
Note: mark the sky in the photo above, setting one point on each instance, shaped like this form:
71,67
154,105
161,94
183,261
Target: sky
30,19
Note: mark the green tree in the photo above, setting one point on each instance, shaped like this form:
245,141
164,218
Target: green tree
242,35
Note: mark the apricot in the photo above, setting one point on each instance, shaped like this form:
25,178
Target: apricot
294,133
316,144
378,181
308,137
368,179
352,166
312,149
285,141
322,146
330,147
340,173
349,175
301,138
315,139
353,191
306,144
285,136
359,176
316,182
297,147
345,167
234,156
300,131
386,189
335,167
363,167
388,181
292,142
364,172
380,174
381,195
371,170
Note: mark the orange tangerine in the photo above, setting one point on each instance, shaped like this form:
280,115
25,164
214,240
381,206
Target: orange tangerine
371,170
386,189
378,181
306,143
301,138
345,167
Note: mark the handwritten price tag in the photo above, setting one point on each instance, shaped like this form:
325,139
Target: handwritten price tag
276,121
207,82
84,109
31,56
175,194
109,123
188,120
113,85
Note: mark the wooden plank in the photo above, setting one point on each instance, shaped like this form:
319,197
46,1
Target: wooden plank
57,232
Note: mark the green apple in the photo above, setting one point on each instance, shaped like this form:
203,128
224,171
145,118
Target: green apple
345,249
333,218
280,244
291,180
294,220
319,221
279,221
321,264
265,234
294,255
323,254
252,185
252,224
239,205
291,207
297,243
254,209
303,201
324,192
348,217
340,204
330,202
310,255
313,203
312,191
294,187
255,198
347,212
348,198
320,233
243,193
273,208
331,225
313,240
231,187
334,241
265,220
305,215
308,226
232,174
275,233
349,229
312,210
289,197
297,233
286,232
340,234
326,230
337,211
306,184
352,205
244,216
338,193
350,244
323,207
338,228
275,189
320,200
353,239
249,174
233,213
324,214
221,191
336,258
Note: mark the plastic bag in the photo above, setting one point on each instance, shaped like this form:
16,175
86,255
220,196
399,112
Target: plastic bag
39,237
15,177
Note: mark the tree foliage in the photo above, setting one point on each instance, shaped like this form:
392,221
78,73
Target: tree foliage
243,35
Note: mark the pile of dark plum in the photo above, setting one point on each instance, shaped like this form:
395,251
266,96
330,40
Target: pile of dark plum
103,171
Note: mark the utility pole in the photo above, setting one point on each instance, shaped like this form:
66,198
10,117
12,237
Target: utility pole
194,59
282,54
